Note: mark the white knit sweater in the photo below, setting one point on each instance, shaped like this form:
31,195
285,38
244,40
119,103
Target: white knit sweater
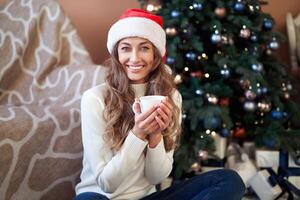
127,173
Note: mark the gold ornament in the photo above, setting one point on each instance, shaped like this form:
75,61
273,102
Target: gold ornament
171,31
220,12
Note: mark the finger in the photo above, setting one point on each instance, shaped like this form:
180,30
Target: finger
161,124
149,119
162,114
137,106
152,126
147,113
166,110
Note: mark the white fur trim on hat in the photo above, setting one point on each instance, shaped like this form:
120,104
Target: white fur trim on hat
137,27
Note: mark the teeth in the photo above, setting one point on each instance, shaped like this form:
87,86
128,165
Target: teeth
135,67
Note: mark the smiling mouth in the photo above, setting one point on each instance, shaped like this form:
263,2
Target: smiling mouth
135,67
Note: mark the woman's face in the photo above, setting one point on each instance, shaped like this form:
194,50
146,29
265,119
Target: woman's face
136,56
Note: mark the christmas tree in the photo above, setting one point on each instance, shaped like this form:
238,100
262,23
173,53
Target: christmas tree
223,55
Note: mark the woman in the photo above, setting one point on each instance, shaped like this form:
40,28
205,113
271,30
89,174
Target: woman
127,154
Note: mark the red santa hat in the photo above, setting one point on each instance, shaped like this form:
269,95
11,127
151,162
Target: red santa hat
138,23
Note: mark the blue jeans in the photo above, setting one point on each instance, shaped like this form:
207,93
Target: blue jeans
213,185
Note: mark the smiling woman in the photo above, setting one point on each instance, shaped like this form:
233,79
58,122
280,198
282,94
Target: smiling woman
126,151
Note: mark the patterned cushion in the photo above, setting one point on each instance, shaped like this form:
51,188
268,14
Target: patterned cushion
44,69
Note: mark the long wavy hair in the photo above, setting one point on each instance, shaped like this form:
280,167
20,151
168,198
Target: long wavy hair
120,96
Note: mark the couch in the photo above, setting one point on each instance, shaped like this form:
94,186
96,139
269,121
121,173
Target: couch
44,69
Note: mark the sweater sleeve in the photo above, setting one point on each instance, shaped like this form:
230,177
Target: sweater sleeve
109,170
159,163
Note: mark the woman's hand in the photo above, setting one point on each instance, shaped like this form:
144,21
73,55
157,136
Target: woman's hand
163,120
145,123
165,114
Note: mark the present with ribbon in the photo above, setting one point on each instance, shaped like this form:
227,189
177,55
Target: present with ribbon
263,187
267,183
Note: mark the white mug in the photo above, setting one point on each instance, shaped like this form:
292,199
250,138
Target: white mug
146,102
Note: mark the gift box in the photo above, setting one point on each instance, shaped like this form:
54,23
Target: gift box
263,187
295,180
270,158
267,158
221,145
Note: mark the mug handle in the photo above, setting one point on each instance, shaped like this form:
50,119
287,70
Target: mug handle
133,105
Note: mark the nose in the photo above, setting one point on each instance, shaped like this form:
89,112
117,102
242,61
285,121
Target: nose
134,56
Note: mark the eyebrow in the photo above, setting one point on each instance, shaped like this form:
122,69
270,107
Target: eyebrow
142,43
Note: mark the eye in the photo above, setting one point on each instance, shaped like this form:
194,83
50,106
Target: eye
124,48
145,48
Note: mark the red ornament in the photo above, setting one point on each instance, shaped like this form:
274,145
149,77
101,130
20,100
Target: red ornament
197,74
239,132
224,102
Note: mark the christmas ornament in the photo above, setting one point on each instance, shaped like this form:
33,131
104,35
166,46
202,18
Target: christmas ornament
177,79
171,31
245,32
216,37
212,98
250,95
253,37
190,56
225,39
257,66
273,45
220,12
264,106
206,75
268,52
286,95
249,106
188,32
224,102
199,92
238,6
253,8
170,60
289,86
225,72
196,6
203,56
211,122
153,8
239,132
276,114
245,84
262,90
197,74
267,24
225,132
175,14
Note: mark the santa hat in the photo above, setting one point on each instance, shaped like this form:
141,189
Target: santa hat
138,23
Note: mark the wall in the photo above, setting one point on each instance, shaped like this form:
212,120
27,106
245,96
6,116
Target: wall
93,18
278,9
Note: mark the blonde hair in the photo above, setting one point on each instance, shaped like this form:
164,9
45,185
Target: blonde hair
120,96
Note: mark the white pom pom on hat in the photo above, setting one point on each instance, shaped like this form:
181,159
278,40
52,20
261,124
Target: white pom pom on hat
138,23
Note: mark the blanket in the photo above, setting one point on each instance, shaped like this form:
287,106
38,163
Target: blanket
44,69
